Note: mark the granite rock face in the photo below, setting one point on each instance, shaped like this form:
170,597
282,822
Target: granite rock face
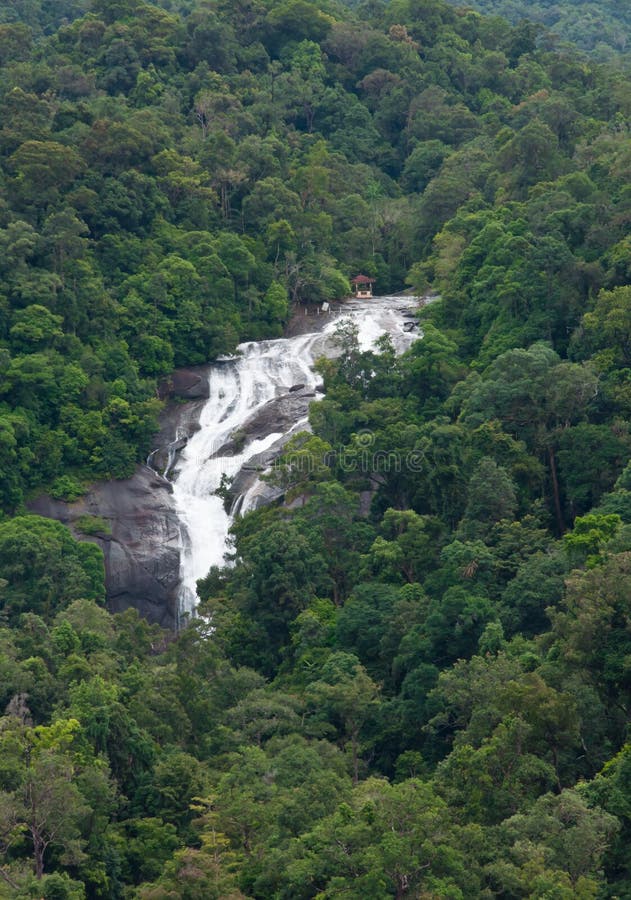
278,415
281,413
178,421
186,384
142,556
142,552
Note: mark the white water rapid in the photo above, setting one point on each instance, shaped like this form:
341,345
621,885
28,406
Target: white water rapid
238,388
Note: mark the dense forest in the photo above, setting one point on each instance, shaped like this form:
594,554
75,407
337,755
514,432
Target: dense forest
599,26
429,698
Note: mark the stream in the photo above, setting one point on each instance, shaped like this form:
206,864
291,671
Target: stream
240,389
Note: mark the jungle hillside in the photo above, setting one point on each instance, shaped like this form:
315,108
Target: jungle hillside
409,681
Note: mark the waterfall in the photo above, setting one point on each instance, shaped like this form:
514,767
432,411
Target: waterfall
239,388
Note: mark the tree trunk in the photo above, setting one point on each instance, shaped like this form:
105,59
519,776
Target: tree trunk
555,490
355,759
39,848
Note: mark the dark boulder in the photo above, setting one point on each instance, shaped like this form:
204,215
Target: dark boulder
187,384
142,555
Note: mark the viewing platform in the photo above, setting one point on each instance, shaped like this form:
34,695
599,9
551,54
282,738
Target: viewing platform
362,286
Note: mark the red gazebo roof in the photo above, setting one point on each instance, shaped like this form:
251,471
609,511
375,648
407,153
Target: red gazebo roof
362,279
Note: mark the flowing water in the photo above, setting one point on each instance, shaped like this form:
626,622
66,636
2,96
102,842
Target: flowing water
238,388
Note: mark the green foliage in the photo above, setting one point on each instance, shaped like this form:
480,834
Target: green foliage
45,568
67,488
92,525
589,536
602,27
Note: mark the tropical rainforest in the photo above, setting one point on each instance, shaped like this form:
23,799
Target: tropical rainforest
600,27
426,695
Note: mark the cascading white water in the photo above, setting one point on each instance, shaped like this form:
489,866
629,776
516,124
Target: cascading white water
237,389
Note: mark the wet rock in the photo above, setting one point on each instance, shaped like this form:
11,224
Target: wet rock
249,489
188,384
163,458
178,422
278,415
142,556
142,552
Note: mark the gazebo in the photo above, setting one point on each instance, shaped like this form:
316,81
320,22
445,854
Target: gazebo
362,286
